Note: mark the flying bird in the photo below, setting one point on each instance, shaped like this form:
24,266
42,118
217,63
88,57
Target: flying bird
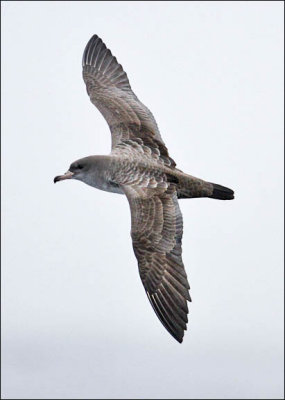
139,166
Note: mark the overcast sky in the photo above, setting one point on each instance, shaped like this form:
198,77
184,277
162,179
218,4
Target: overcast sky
76,321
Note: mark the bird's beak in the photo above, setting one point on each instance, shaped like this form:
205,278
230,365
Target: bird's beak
67,175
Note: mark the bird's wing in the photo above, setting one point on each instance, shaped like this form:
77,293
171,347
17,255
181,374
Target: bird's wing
131,123
157,229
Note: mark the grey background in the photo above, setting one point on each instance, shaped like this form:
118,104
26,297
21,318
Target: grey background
76,322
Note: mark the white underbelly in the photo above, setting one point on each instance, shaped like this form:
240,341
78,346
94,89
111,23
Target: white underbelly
103,185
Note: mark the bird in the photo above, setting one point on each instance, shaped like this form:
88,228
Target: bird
140,167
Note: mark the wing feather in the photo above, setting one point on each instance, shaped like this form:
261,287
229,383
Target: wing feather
109,90
157,230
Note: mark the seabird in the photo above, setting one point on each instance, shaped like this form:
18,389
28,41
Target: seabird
140,167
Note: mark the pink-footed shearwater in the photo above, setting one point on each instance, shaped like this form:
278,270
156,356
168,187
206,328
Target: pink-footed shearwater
140,167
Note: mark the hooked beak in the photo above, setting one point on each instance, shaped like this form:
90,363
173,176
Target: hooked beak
67,175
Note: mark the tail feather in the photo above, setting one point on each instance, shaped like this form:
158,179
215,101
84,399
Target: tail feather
221,192
189,187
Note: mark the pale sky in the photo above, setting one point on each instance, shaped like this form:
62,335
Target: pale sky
76,322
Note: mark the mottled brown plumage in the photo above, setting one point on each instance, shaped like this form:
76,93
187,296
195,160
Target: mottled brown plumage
140,167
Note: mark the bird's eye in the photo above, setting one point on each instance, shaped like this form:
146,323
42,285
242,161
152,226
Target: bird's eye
79,166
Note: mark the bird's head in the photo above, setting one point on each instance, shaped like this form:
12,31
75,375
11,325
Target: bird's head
78,169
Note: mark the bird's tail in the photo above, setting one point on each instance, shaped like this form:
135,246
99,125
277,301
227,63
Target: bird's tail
222,193
191,187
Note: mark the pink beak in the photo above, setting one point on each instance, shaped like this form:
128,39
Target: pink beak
67,175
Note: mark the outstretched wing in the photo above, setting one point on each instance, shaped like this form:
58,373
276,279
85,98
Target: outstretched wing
131,123
157,229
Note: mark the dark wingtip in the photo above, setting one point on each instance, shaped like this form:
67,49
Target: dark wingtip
179,340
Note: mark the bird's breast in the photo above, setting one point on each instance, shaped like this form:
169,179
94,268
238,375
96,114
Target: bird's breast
102,182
